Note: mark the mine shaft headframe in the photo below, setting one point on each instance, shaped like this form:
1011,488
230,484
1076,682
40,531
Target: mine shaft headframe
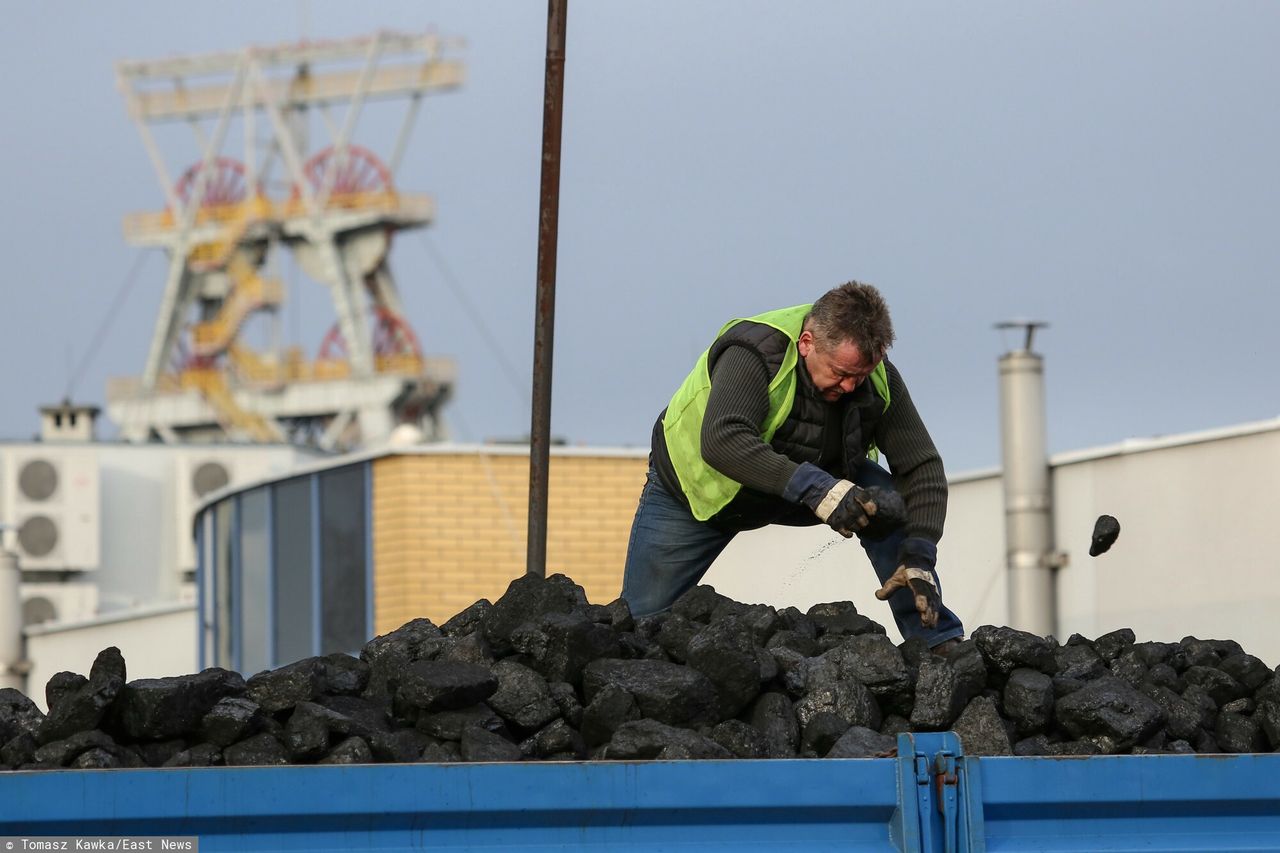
316,74
426,71
282,84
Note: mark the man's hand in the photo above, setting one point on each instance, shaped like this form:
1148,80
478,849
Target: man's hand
920,583
887,511
850,509
841,509
847,508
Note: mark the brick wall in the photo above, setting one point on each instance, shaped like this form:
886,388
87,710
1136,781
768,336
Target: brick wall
450,528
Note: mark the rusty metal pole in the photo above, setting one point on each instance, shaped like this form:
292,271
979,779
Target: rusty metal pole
545,309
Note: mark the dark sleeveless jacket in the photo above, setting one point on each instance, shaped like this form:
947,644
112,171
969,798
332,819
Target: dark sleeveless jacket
834,436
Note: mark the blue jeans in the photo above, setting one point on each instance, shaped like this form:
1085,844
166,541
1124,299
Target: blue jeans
670,551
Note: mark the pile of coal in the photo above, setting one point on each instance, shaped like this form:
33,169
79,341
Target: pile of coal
541,674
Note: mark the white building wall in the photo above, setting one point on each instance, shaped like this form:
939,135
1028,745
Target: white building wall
1198,547
803,566
1197,553
136,596
156,643
136,490
145,505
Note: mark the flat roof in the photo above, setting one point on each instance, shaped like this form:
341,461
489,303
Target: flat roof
433,449
1127,446
1134,445
146,611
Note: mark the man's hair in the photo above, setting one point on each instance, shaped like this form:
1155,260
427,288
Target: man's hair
852,312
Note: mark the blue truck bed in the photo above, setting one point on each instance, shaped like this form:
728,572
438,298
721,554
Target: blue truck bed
931,797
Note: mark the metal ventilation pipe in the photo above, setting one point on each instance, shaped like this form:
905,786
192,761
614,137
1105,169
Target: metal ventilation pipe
13,667
1028,504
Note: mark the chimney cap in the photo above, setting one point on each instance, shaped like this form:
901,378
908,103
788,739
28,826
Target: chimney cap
1029,325
67,406
68,421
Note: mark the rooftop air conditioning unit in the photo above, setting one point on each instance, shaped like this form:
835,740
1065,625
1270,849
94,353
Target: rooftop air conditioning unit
58,602
52,501
201,473
197,476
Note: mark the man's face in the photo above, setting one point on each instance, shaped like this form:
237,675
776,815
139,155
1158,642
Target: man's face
837,370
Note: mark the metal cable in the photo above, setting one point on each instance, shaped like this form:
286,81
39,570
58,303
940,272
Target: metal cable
505,513
105,325
446,274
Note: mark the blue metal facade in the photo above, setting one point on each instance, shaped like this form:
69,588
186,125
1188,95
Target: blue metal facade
930,798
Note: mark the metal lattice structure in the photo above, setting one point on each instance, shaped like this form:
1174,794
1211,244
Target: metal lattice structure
336,217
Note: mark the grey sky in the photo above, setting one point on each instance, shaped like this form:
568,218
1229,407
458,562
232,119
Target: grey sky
1110,168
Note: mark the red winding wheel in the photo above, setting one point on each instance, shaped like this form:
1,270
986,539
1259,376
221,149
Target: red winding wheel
391,336
358,171
225,184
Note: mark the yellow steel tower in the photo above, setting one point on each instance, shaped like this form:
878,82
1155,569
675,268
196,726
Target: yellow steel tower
335,208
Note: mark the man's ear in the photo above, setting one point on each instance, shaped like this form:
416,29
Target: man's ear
804,343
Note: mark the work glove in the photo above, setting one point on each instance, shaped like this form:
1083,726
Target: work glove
845,507
848,509
889,514
914,574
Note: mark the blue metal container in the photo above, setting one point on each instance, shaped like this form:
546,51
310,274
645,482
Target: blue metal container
931,797
1092,803
623,806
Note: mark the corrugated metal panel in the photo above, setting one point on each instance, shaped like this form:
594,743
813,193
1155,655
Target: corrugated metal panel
763,805
929,798
1126,803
